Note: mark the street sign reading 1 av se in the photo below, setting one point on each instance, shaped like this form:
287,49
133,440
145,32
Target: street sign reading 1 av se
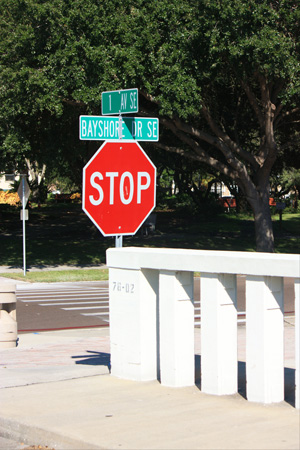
104,128
120,102
119,185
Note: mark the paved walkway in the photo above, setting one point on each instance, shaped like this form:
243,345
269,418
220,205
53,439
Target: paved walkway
56,390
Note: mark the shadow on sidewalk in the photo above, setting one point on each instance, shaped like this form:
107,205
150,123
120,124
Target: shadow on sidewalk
94,359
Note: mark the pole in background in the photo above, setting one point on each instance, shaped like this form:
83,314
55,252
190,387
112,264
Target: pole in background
24,228
23,193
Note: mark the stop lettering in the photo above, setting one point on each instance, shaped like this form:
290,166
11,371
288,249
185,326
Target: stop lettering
119,188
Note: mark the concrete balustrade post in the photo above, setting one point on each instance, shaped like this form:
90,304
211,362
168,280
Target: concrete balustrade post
133,323
176,317
264,339
8,316
218,334
297,342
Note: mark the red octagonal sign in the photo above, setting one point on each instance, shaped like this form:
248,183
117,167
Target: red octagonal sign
119,184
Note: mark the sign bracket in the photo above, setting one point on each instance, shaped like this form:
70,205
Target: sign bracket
120,125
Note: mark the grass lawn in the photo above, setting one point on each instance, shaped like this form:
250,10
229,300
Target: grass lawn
56,276
62,234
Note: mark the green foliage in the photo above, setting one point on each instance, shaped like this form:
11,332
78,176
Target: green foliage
291,178
222,75
57,56
255,36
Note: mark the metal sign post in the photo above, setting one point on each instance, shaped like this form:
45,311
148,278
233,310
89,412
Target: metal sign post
119,239
23,193
24,234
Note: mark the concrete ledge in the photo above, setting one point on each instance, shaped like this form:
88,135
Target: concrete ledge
209,261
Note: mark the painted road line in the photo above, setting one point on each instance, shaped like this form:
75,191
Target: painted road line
48,292
62,292
43,300
85,307
96,314
72,303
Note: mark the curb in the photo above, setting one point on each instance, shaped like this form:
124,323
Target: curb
20,432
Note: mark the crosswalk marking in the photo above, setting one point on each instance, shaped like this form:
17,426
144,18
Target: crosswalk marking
41,300
95,314
84,307
67,294
81,298
71,303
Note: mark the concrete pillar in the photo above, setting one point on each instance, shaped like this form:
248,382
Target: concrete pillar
264,339
297,342
218,334
8,316
133,323
176,318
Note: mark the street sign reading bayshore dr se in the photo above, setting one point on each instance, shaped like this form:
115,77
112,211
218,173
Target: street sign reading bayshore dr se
120,102
107,128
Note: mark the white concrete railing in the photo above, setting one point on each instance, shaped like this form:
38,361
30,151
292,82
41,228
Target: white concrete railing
152,318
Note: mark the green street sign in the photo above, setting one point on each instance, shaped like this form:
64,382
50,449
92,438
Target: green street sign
120,102
103,128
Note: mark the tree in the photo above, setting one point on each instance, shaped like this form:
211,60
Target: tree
40,74
227,86
223,76
287,183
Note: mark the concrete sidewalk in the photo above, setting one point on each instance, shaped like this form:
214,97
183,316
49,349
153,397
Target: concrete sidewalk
56,390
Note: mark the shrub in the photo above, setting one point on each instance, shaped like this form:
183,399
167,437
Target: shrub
76,197
9,198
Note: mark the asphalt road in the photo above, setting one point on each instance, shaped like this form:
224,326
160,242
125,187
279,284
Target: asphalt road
42,306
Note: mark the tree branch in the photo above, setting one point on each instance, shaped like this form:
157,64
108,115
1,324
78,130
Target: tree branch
219,141
253,102
200,154
73,102
268,148
235,169
206,159
278,119
149,97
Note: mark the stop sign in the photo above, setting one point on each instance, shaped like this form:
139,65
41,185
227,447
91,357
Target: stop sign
119,184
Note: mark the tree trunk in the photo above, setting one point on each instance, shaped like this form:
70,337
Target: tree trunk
263,225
